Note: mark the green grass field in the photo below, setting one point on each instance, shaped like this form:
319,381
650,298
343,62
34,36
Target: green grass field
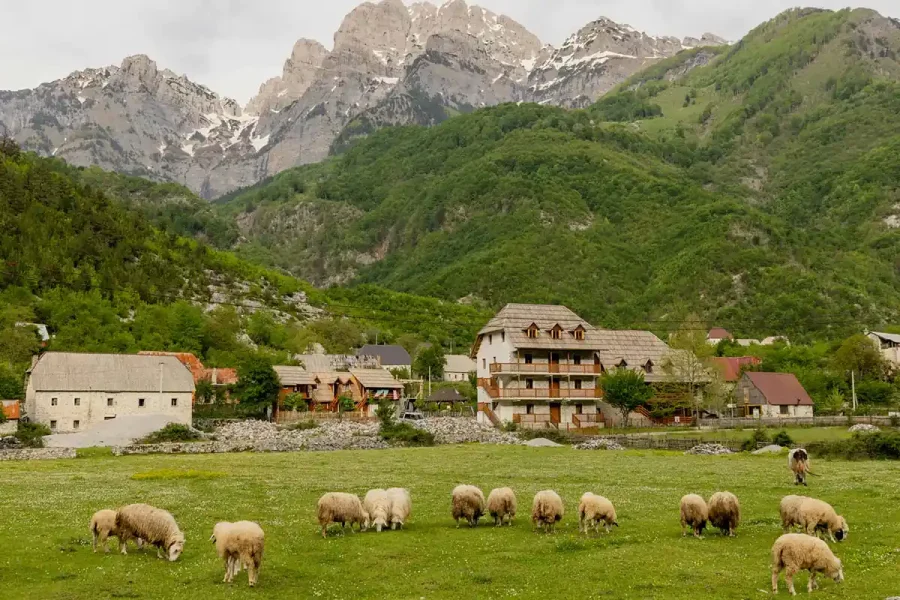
800,435
45,553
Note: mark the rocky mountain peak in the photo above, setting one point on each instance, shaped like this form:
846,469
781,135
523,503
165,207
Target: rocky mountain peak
299,72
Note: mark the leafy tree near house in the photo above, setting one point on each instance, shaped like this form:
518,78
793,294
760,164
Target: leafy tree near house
258,383
859,355
204,391
345,404
430,362
688,363
625,390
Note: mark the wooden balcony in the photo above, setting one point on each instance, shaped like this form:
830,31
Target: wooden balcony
544,393
543,369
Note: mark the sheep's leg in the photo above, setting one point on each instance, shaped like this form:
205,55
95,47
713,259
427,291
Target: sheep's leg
812,582
683,528
104,541
324,528
227,577
831,535
775,571
789,577
252,573
159,553
94,540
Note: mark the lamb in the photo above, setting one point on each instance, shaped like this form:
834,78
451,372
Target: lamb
798,462
724,512
694,514
794,552
501,504
592,510
815,516
546,510
377,505
468,504
790,512
154,526
401,506
336,507
239,544
103,525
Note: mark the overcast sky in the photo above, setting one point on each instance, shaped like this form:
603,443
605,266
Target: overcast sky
234,45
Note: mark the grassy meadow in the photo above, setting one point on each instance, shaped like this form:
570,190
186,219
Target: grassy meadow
47,506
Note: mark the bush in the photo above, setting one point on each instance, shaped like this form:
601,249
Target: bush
386,413
782,438
295,402
759,436
895,421
406,434
173,432
510,427
862,446
31,434
303,426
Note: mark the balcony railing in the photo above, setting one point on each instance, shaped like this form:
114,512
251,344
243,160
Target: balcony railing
539,368
543,393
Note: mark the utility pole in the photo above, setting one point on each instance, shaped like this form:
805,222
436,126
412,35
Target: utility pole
853,388
429,381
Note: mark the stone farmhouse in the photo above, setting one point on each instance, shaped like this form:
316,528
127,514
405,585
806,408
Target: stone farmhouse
70,392
889,344
771,395
457,367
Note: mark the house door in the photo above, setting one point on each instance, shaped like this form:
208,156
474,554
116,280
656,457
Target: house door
554,387
556,413
596,364
554,362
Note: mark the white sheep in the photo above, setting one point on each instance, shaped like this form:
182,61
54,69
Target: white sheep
377,505
694,514
467,502
103,526
592,510
154,526
724,512
501,505
546,510
794,552
239,544
401,506
816,516
798,463
790,512
337,507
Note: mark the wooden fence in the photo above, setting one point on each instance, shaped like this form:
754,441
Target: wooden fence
750,423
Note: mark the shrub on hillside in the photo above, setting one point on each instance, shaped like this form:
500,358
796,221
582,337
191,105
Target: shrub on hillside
173,432
407,435
32,434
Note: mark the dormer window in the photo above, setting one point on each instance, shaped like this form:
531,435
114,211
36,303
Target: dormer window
622,364
579,333
648,366
532,331
556,332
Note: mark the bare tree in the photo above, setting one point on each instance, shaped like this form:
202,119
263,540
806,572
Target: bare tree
688,365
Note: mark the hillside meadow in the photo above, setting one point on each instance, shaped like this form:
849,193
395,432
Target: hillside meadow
47,506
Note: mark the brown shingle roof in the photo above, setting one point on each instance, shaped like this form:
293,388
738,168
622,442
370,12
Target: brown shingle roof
291,376
376,379
780,388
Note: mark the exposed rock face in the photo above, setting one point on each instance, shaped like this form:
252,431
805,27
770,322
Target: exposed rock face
391,64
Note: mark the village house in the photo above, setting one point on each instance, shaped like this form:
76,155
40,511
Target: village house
771,395
220,378
732,367
718,334
889,344
323,390
12,412
457,367
70,392
390,356
540,366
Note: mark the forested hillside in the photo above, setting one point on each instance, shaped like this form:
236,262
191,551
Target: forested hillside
78,255
756,186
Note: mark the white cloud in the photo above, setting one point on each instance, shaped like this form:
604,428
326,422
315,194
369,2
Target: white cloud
234,45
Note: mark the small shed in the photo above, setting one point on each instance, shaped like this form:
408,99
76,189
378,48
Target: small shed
772,395
447,395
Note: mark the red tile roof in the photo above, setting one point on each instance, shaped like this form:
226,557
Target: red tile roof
717,333
186,358
10,409
731,366
780,389
220,376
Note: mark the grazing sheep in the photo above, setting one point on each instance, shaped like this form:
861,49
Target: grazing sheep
546,510
154,526
816,516
592,509
694,514
239,544
103,526
377,505
798,462
401,506
336,507
468,504
501,504
790,512
794,552
724,512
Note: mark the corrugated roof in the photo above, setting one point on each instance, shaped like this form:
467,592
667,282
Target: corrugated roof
11,409
71,372
291,376
376,379
731,366
890,337
780,388
459,363
390,355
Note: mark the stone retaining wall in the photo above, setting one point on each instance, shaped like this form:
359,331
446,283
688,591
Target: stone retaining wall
37,454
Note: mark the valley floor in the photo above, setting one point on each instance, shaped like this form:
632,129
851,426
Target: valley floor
47,506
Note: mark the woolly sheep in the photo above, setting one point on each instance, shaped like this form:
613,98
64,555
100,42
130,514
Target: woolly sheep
724,512
790,511
694,514
798,462
468,504
546,510
337,507
153,525
239,544
103,525
816,515
501,504
794,552
401,506
592,510
377,505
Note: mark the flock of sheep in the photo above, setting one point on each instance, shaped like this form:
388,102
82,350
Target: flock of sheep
241,544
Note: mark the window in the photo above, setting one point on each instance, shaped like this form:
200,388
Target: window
532,331
529,409
484,363
141,402
54,401
502,336
579,334
556,332
109,401
648,368
52,424
174,401
108,418
490,338
77,401
785,409
576,359
529,384
579,409
577,384
529,359
76,424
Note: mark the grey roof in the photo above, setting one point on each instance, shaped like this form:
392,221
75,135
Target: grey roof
391,356
459,363
376,379
291,376
890,337
71,372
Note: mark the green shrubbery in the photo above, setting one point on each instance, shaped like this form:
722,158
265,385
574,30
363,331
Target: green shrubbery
173,432
400,433
759,436
31,434
783,438
862,446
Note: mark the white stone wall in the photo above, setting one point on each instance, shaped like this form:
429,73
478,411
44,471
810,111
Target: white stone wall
93,407
493,348
456,376
793,411
8,428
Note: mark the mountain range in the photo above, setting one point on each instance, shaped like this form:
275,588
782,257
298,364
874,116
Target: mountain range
390,64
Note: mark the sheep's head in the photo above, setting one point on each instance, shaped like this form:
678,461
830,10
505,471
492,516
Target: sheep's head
837,572
380,523
366,520
841,534
217,531
176,548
